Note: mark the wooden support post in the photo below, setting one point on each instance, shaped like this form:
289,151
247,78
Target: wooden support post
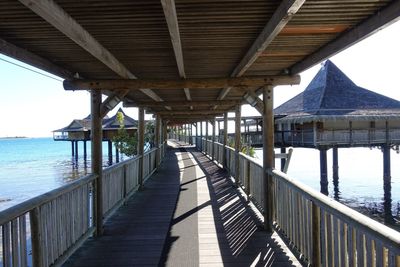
110,149
76,151
84,151
197,134
386,164
213,139
219,131
206,148
283,160
268,155
225,142
157,139
335,172
201,136
237,142
72,148
97,137
141,146
116,155
323,171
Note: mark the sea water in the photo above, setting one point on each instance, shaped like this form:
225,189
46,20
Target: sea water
360,180
32,166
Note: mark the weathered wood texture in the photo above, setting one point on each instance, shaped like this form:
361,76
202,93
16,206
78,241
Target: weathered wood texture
135,235
320,230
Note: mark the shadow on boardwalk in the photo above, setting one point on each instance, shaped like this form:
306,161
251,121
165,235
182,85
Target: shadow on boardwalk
164,224
241,238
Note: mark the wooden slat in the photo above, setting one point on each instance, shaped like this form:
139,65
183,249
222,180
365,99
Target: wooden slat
58,18
183,103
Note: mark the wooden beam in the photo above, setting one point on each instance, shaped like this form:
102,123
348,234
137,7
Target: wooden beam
173,28
61,20
206,83
383,18
183,103
237,143
32,59
278,21
189,112
253,100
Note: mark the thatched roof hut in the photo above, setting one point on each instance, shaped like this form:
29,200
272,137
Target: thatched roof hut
79,129
333,110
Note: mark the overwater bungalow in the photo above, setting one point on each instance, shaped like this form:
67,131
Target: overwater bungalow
333,112
187,62
80,130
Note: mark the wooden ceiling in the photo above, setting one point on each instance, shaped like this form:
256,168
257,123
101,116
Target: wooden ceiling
191,40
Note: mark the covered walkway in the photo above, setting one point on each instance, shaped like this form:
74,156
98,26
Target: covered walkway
189,214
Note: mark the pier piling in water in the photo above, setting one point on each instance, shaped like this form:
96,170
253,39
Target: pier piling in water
323,171
386,164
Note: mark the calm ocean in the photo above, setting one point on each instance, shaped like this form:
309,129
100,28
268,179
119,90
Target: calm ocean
29,167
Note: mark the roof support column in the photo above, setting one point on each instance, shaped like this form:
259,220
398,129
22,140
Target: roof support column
225,141
213,139
268,155
237,142
97,136
201,136
197,135
164,137
206,148
157,139
140,148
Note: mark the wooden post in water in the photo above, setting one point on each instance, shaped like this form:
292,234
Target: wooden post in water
110,157
268,155
116,155
225,142
140,148
76,151
84,151
283,160
335,172
237,142
323,171
97,137
386,164
72,148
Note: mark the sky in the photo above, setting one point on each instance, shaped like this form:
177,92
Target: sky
34,105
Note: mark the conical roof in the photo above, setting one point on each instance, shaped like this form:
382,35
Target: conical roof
332,95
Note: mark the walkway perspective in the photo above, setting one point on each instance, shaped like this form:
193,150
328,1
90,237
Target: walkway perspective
189,214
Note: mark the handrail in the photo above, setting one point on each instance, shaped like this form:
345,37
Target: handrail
381,231
56,223
320,230
15,211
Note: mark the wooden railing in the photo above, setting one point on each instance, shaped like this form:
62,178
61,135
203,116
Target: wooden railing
56,223
321,231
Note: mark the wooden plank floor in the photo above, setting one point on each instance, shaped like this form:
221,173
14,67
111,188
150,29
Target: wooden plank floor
190,214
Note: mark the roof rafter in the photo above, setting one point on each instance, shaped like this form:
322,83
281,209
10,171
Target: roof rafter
173,28
61,20
30,58
279,19
183,104
381,19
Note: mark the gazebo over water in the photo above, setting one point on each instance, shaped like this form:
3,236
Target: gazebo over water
79,130
334,112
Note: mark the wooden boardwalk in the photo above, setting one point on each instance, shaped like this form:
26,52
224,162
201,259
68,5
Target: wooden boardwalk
189,214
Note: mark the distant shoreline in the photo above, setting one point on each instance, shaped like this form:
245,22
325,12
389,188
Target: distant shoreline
14,137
